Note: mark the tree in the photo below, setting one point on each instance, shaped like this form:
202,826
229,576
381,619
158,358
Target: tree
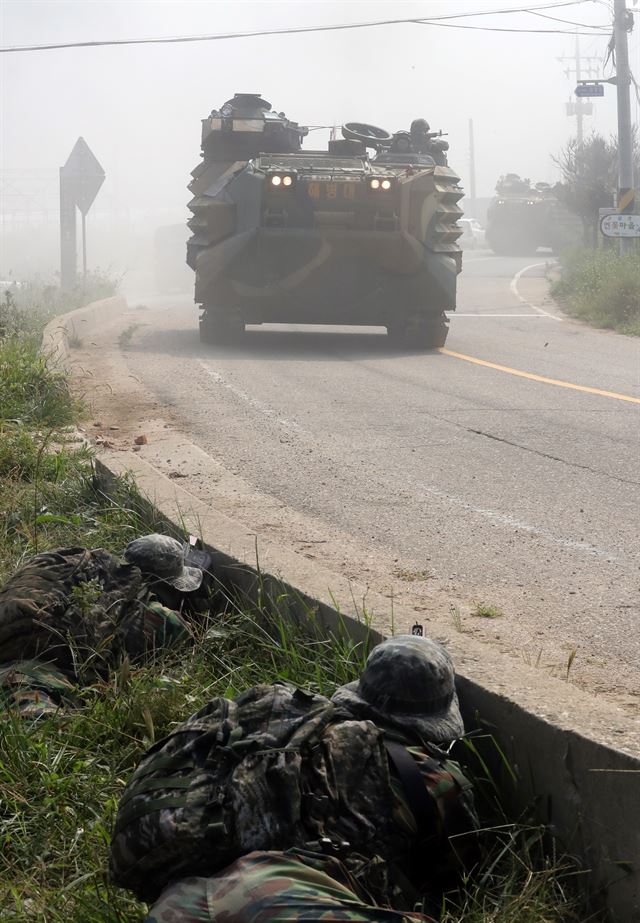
590,178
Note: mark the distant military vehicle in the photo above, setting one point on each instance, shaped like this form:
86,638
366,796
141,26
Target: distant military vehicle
523,217
282,235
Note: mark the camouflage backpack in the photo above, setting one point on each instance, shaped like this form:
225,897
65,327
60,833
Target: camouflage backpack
275,768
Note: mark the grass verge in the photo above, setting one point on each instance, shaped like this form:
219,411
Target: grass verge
602,288
61,778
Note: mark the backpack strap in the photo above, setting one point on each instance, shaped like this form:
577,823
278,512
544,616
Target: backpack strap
421,804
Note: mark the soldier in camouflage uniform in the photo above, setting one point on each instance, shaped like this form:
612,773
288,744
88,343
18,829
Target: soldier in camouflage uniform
424,142
420,139
274,887
407,690
69,615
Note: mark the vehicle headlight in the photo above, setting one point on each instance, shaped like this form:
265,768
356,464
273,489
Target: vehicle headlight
286,180
380,182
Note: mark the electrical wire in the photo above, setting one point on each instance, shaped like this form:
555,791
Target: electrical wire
436,21
570,22
456,25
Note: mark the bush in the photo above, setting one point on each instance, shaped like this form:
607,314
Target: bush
602,288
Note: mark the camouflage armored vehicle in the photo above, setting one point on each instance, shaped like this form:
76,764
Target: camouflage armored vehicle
282,235
522,217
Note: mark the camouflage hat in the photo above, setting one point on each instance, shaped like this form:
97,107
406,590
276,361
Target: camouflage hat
409,682
163,557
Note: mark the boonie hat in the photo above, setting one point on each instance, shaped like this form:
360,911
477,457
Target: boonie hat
163,557
408,681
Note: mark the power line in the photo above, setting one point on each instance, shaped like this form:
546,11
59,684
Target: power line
570,22
435,21
456,25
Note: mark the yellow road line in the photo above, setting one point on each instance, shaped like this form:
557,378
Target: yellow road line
541,378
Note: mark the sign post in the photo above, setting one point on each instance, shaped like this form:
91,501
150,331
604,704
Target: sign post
67,236
80,180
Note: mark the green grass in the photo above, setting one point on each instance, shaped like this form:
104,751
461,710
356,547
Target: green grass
32,390
521,884
61,778
601,288
486,611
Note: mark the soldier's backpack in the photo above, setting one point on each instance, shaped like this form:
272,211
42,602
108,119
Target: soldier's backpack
273,769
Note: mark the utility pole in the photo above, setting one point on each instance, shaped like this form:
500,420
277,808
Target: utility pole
472,170
622,19
579,103
587,67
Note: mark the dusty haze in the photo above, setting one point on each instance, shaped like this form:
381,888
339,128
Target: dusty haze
139,107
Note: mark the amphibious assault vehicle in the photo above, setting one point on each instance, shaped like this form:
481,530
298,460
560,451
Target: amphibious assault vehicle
522,217
285,235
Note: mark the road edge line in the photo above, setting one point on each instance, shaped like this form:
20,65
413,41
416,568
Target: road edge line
515,291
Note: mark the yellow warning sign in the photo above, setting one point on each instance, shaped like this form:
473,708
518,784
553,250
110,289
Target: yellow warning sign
626,200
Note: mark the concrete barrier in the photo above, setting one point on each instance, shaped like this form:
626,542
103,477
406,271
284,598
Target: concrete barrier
59,333
577,758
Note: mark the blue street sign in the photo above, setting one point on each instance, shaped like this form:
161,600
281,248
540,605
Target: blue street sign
590,89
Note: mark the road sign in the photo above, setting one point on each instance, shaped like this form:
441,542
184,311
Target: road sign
83,174
80,180
589,89
617,225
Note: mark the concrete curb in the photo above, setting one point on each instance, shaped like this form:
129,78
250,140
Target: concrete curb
557,738
59,333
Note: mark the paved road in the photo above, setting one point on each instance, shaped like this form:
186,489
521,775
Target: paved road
462,480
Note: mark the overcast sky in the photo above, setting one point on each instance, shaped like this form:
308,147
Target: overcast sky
139,107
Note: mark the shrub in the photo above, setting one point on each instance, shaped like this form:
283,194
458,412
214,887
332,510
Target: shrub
602,288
